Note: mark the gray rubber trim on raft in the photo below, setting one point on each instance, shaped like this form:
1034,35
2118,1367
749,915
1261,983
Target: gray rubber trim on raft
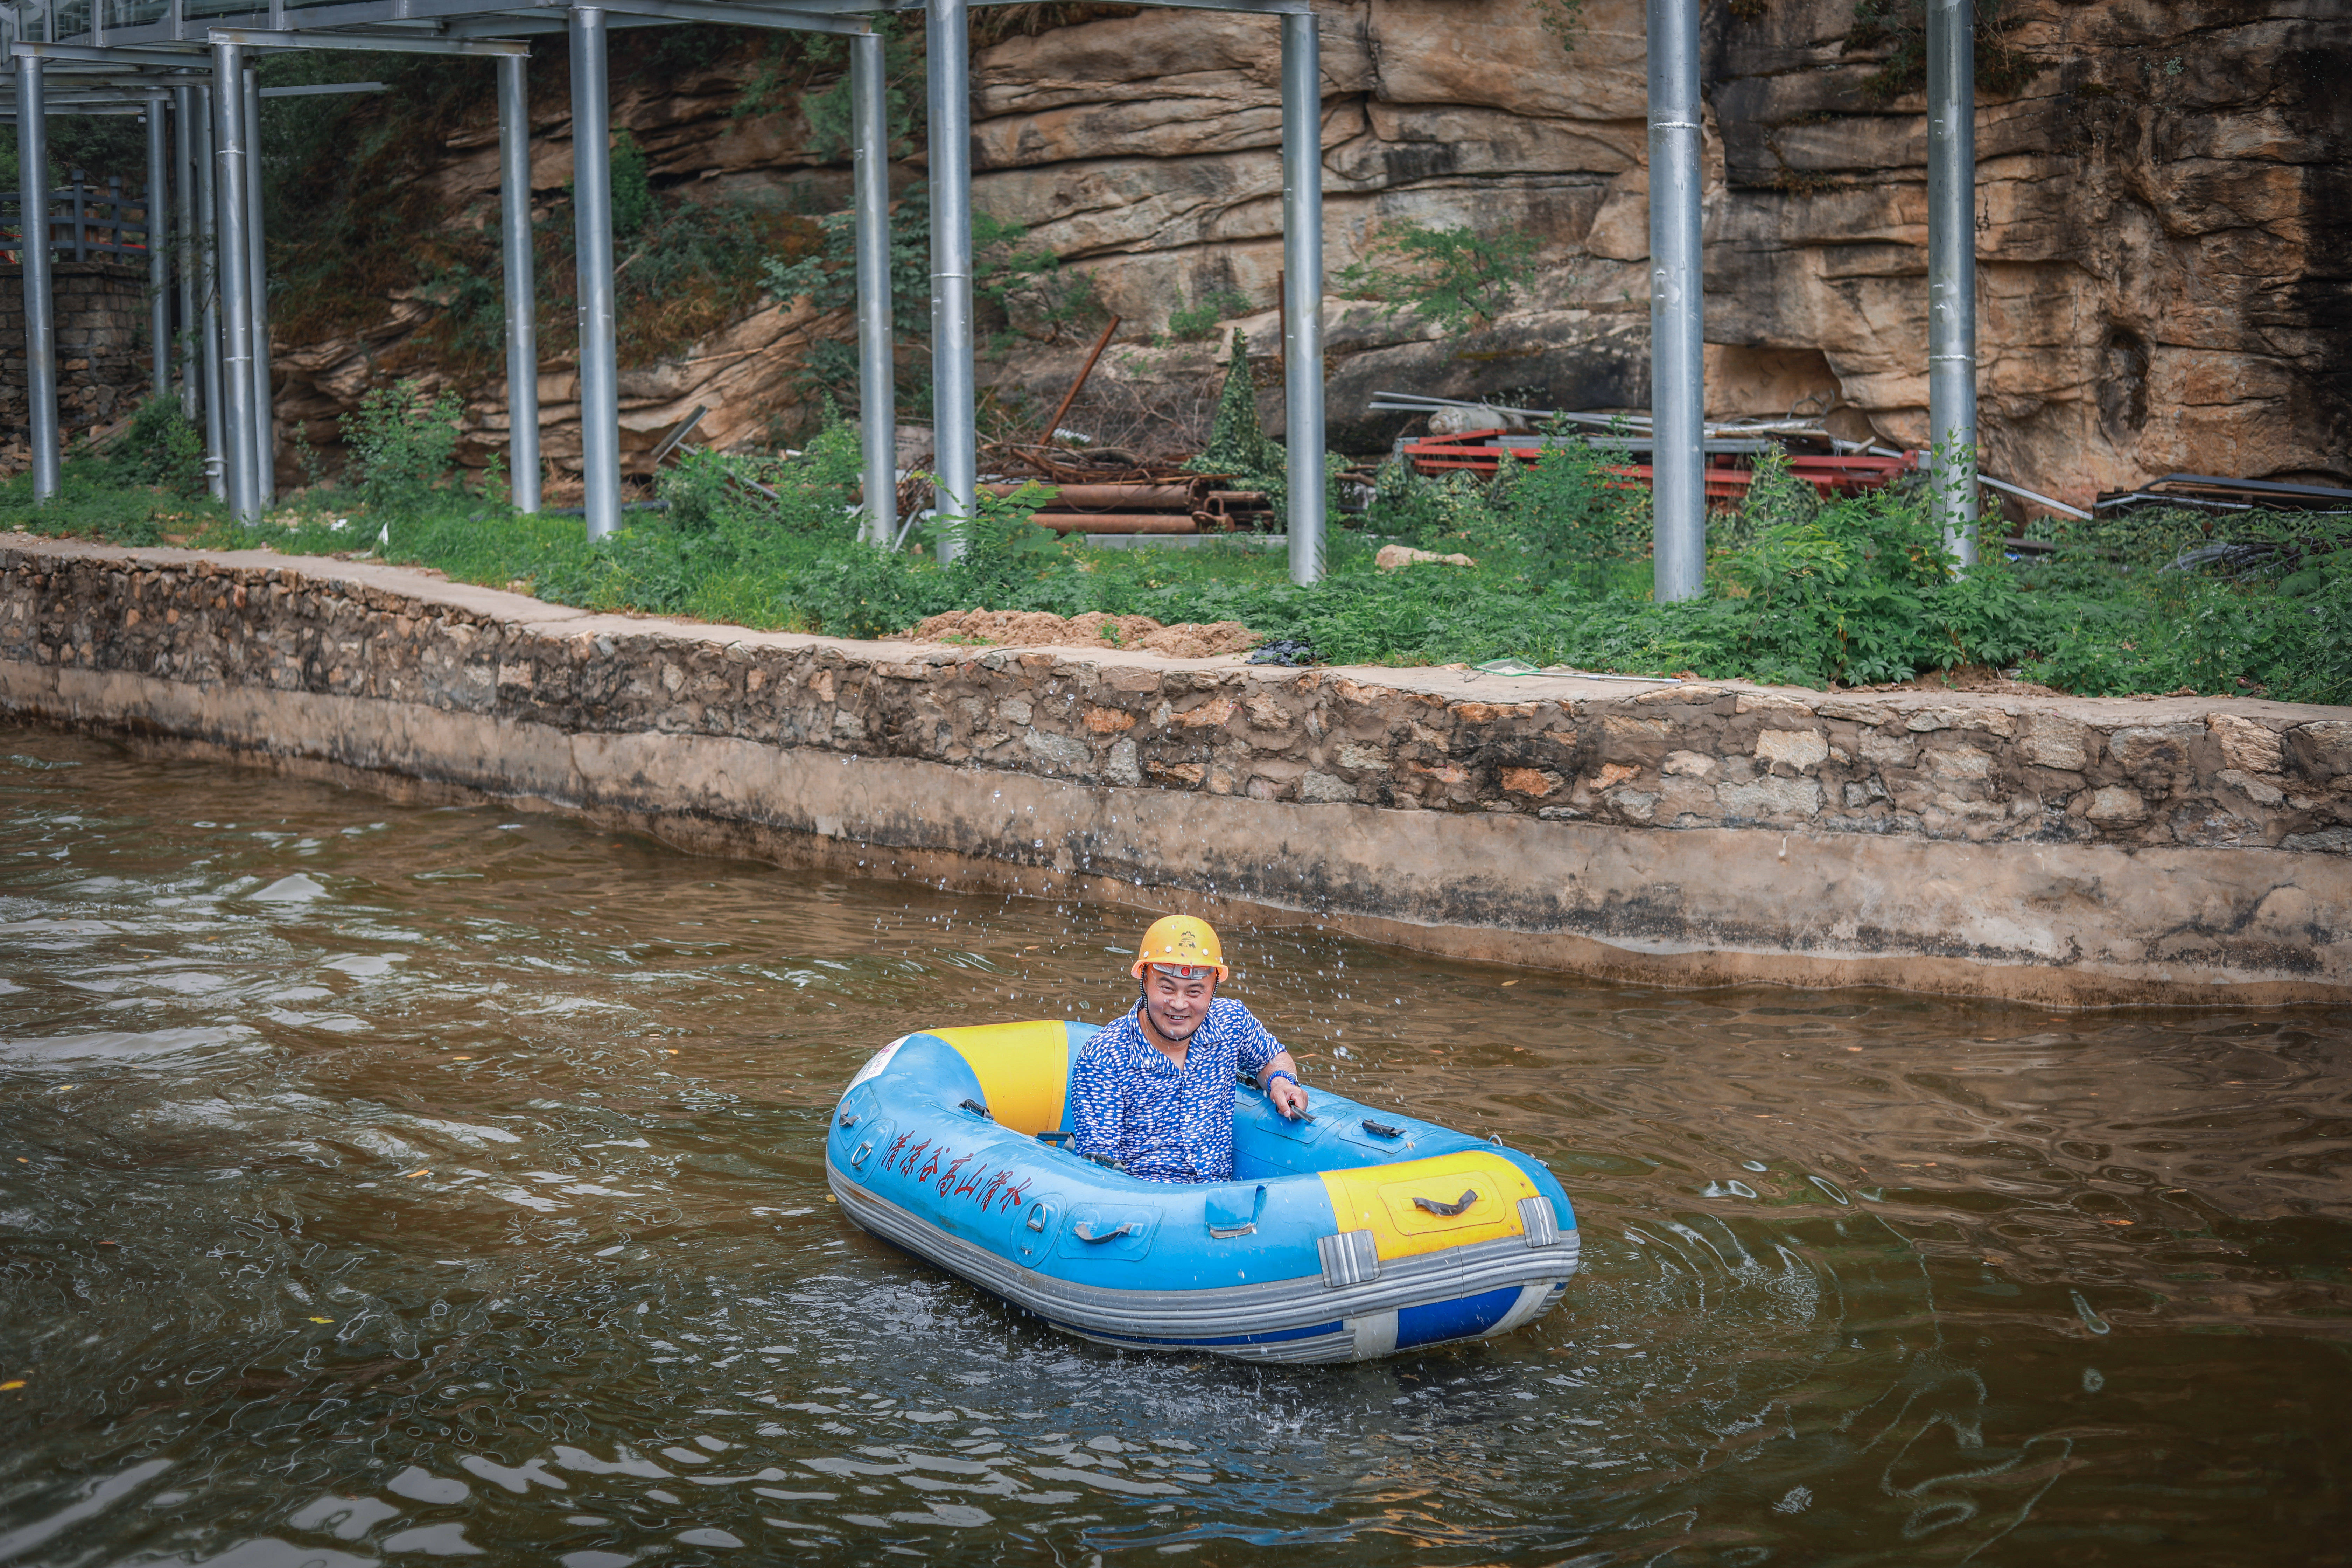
1220,1312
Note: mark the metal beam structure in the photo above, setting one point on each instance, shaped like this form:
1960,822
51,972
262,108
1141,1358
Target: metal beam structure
1952,271
183,248
40,325
1302,283
158,252
205,173
877,392
1677,307
265,401
223,283
232,211
521,282
592,217
955,426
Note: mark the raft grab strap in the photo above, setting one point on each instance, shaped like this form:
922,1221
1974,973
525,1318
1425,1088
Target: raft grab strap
1351,1258
849,1119
1469,1196
1383,1129
1083,1233
977,1109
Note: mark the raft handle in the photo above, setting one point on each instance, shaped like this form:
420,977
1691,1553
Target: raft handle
849,1119
1469,1196
1057,1138
1083,1233
1229,1232
977,1109
1381,1129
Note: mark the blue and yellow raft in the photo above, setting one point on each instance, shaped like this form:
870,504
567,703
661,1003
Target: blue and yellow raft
1355,1235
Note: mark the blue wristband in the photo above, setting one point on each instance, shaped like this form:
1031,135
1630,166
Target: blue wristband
1279,1073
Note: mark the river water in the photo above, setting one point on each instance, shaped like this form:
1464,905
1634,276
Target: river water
391,1184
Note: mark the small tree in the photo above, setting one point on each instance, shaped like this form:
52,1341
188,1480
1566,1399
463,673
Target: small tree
402,446
1454,278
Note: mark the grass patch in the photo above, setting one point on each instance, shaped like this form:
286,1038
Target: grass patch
1853,592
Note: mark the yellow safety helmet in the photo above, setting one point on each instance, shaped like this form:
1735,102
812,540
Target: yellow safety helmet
1180,941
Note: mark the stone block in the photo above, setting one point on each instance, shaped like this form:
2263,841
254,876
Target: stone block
2115,804
1766,798
2152,749
1325,789
1795,749
1058,753
2053,741
2322,749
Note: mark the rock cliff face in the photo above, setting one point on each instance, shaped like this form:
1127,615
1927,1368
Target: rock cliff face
2165,235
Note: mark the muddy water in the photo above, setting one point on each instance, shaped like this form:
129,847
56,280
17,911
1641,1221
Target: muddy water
388,1184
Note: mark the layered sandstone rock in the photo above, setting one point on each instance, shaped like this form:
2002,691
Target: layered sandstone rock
2164,240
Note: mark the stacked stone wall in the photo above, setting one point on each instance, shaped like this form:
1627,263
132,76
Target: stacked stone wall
103,366
2227,824
1660,757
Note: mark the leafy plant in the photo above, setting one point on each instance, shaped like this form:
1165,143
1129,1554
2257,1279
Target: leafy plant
163,449
402,445
1198,321
1900,27
1563,19
633,187
1455,279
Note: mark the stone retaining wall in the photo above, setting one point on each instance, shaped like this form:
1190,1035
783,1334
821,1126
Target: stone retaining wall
2062,849
103,368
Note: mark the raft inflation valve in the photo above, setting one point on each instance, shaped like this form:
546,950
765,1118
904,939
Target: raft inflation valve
1537,1220
1351,1258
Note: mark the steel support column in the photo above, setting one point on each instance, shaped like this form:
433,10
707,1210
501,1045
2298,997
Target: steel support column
1677,306
877,393
591,186
1302,283
33,245
183,246
955,433
235,276
521,281
1952,270
159,259
265,401
205,169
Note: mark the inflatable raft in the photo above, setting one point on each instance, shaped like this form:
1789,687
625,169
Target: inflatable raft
1355,1235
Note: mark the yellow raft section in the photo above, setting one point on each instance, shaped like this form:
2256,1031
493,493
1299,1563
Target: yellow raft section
1025,1073
1379,1198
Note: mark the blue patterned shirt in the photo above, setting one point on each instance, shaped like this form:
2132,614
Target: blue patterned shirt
1128,1102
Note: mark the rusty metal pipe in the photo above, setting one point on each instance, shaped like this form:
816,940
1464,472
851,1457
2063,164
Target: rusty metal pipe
1118,521
1112,498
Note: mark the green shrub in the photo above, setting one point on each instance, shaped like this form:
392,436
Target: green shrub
402,446
163,449
1455,279
1197,322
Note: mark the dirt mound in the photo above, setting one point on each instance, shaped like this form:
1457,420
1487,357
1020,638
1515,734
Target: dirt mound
1036,628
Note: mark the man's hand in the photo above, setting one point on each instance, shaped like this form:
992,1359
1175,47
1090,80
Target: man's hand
1287,1096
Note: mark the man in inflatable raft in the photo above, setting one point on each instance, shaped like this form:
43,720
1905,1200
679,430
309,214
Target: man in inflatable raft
1153,1093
